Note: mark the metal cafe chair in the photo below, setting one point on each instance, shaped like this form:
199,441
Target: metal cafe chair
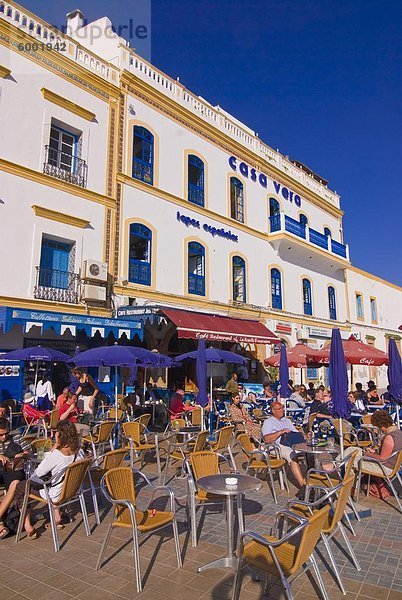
118,487
260,459
71,492
222,443
179,451
388,478
100,466
338,498
136,435
197,465
286,557
99,437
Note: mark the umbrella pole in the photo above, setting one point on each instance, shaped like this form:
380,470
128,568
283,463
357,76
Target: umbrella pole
36,376
398,419
341,437
301,375
351,377
115,392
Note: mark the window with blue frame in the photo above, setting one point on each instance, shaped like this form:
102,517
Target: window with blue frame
195,180
332,303
236,199
307,301
359,306
139,261
303,219
274,215
239,279
276,289
55,267
62,149
196,269
373,310
327,232
143,155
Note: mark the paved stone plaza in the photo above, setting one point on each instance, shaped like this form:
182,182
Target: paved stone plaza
32,570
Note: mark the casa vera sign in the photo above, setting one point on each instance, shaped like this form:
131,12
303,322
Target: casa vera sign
263,180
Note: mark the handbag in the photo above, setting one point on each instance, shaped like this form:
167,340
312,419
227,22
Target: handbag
291,438
12,518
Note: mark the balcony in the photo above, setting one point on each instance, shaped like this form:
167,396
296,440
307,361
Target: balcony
65,166
284,231
58,286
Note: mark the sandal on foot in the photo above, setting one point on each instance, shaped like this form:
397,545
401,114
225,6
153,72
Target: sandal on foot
4,531
58,526
33,535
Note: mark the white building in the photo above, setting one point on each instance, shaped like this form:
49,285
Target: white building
188,208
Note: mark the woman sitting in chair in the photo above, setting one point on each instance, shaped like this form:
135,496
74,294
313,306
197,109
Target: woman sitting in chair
241,418
65,451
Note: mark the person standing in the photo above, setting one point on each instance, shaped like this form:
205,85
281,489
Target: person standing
232,386
45,396
86,391
311,391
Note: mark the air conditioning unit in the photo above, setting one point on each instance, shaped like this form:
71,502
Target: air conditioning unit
302,334
95,270
94,293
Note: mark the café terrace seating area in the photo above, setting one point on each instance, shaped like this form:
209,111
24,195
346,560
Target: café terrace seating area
155,512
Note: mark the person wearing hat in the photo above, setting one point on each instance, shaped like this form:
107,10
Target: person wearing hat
29,398
371,384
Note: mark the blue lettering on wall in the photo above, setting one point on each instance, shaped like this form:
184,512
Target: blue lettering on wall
250,172
189,222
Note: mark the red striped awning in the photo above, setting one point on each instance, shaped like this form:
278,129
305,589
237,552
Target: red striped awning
220,329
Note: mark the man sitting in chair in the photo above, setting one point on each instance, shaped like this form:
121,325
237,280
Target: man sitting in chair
275,430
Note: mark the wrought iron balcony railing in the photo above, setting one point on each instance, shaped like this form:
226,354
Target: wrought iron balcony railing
59,286
65,166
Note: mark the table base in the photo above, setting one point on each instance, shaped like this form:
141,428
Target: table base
221,563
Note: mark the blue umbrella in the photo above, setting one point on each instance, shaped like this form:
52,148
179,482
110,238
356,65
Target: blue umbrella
395,375
339,382
284,373
36,354
201,369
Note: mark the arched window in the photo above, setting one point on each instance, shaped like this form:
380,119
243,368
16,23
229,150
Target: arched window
327,232
139,262
1,7
274,215
195,180
332,303
236,199
196,269
276,289
143,155
9,12
239,279
303,219
307,303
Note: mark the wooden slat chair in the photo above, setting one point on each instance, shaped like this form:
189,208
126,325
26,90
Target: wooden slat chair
338,498
286,557
179,451
99,437
111,415
144,420
71,492
137,442
119,488
100,466
202,464
196,417
259,459
222,444
388,478
361,438
39,444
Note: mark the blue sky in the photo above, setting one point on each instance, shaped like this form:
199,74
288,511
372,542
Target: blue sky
319,79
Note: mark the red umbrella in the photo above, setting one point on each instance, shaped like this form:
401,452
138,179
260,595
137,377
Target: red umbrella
356,353
299,356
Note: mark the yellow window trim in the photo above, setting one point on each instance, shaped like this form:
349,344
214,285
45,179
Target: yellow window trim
67,104
4,72
54,215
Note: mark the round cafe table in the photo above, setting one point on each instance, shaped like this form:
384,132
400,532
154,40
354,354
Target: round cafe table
316,451
216,484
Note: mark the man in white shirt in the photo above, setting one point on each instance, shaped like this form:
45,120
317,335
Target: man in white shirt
273,429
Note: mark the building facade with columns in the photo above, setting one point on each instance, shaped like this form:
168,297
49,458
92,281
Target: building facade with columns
179,204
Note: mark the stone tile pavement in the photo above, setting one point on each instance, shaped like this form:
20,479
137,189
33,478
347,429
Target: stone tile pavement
31,570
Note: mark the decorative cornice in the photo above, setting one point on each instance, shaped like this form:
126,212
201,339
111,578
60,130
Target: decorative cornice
53,215
13,37
134,85
4,72
375,278
67,104
48,180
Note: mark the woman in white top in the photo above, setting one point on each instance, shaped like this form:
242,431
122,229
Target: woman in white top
65,451
45,396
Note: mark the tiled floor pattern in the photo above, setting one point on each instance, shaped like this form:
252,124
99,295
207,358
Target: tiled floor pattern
31,570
